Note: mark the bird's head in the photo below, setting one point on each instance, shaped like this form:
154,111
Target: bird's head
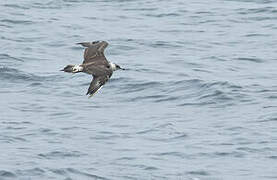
118,67
115,67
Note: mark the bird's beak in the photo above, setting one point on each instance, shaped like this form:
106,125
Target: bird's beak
122,68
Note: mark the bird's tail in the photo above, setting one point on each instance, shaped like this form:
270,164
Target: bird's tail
68,68
72,68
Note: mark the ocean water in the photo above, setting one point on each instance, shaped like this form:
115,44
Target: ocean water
198,101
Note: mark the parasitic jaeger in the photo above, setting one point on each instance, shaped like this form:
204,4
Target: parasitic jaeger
96,64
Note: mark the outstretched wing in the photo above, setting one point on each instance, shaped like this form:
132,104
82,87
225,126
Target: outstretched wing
98,68
94,51
96,84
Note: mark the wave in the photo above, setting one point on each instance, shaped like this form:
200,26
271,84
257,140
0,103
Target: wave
14,75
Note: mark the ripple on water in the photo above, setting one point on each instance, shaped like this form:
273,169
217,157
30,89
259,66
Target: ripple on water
10,58
139,86
200,172
192,91
16,6
31,172
61,154
256,60
7,174
207,93
162,133
16,22
73,171
15,75
11,139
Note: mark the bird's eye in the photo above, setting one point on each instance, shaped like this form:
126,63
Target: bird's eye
94,42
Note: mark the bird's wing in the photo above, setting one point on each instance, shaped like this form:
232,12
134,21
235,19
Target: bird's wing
94,50
98,68
96,84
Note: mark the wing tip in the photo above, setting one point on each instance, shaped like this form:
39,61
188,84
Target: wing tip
91,93
84,44
89,44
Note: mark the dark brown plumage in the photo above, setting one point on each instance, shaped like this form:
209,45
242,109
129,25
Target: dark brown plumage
96,64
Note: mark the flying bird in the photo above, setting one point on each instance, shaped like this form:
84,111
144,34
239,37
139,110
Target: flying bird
96,64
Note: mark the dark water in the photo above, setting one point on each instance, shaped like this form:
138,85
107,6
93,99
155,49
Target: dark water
198,102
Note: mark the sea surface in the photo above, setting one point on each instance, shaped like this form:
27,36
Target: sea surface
198,100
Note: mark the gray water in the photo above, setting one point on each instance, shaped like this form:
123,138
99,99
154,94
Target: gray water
198,101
